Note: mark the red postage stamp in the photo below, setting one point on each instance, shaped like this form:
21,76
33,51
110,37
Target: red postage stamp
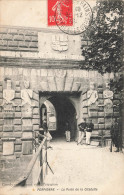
60,12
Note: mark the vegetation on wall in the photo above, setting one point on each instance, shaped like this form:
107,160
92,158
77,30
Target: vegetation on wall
105,53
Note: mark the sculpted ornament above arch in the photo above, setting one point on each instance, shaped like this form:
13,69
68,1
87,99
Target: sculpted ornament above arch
60,73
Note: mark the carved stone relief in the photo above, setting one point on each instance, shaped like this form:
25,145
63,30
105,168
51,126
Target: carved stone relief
108,96
8,97
59,42
60,79
92,95
26,95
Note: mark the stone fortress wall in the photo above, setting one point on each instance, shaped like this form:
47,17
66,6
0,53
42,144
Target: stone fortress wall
26,70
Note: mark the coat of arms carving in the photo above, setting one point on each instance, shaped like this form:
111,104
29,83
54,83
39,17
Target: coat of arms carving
59,42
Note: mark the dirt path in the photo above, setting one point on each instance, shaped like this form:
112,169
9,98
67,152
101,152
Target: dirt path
85,167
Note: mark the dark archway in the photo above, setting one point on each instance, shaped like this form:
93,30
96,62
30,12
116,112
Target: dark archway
65,111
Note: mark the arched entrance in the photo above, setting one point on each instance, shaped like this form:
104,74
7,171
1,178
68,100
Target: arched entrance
64,111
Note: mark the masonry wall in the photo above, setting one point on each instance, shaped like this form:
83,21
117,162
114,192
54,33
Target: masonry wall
19,119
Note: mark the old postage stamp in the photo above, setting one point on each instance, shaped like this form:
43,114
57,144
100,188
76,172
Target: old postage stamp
71,16
60,11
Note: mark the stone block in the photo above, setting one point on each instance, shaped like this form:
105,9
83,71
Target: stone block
36,116
9,115
93,107
8,148
18,148
17,121
1,115
18,154
95,120
93,114
18,95
1,148
27,135
101,109
35,127
1,95
17,83
8,135
18,109
35,121
27,147
1,134
101,126
1,101
85,110
1,121
108,120
100,102
18,89
8,128
100,90
1,88
27,122
96,126
107,133
18,114
36,111
100,114
26,128
17,128
28,38
12,43
108,125
26,114
18,37
34,38
116,114
13,31
31,32
7,37
17,101
1,128
1,83
108,114
18,141
33,44
101,120
17,134
3,43
100,96
85,115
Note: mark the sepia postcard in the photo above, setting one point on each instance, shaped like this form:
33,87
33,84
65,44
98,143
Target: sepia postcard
61,97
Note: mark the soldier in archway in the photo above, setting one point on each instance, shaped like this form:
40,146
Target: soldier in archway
82,128
89,129
67,131
115,134
47,133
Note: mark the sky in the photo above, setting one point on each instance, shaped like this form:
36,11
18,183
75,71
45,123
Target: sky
27,13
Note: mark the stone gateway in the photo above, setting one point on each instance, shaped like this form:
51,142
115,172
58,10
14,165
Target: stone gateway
40,78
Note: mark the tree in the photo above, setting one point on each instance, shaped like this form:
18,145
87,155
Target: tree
105,53
105,34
